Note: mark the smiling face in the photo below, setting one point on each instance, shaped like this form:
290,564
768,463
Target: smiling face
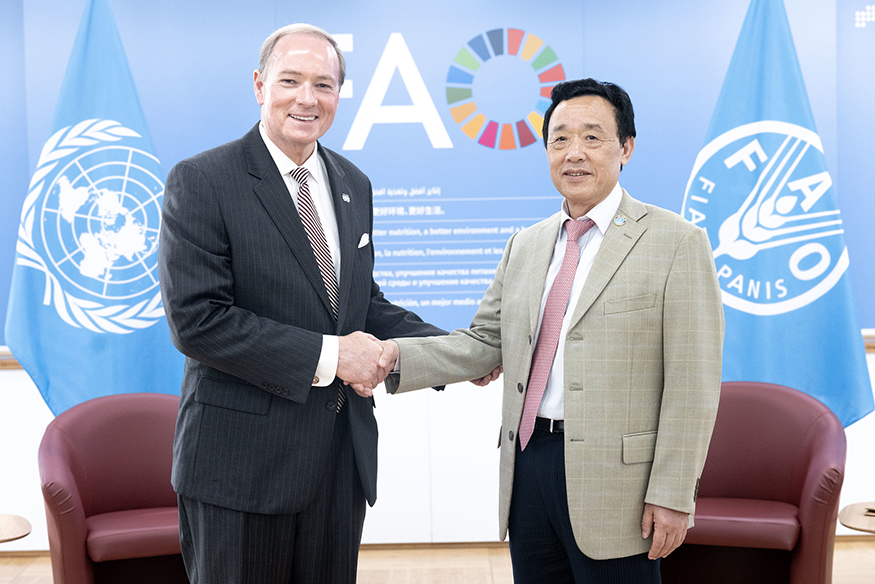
584,152
298,93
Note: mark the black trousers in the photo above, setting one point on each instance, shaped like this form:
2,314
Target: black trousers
318,545
542,545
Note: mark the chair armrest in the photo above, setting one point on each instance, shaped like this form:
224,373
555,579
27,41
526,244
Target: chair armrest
65,515
819,502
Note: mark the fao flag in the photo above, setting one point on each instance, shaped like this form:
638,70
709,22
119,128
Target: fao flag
761,189
85,315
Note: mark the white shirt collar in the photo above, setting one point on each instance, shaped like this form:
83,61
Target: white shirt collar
603,213
286,165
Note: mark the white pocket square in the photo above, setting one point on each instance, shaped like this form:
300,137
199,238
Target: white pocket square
364,240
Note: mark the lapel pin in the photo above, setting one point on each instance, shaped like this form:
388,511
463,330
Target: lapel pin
345,197
620,220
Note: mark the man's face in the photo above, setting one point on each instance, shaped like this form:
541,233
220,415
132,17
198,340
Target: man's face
584,152
298,93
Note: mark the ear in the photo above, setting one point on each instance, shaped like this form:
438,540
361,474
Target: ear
258,85
628,147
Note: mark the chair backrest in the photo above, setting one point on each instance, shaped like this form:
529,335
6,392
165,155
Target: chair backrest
764,441
119,450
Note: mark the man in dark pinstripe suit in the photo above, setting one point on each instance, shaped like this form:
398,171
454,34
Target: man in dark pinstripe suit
272,473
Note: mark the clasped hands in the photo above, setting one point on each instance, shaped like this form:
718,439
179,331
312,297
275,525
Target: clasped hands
364,362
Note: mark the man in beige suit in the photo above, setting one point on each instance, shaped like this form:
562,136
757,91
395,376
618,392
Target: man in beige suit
605,484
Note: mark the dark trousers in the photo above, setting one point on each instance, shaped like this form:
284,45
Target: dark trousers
317,545
542,545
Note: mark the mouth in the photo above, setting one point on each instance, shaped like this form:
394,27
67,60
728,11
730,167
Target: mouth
303,118
576,173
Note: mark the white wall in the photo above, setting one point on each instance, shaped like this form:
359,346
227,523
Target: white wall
438,463
23,419
860,466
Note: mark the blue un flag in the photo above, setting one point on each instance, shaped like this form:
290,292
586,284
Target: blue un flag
85,315
761,189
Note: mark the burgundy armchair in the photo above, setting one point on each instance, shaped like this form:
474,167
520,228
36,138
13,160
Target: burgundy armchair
105,470
769,493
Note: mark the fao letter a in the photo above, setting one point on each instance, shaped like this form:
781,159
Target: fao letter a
823,182
396,55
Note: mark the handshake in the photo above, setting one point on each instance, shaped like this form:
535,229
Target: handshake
364,362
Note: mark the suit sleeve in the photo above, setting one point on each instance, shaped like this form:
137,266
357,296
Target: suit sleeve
386,320
462,355
693,344
197,286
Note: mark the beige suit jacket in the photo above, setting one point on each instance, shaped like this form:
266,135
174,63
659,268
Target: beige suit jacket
642,368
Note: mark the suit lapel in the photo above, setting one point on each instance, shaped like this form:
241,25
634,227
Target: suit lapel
619,241
274,195
344,212
542,247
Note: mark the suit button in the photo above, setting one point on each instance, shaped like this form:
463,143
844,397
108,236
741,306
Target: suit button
264,385
285,391
510,435
315,379
519,387
330,406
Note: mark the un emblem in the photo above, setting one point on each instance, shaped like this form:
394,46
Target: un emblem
90,222
763,194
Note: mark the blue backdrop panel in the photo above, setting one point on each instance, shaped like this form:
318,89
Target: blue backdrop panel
14,165
192,64
470,169
856,123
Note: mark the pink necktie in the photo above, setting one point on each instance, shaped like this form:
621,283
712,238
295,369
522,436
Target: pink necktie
551,325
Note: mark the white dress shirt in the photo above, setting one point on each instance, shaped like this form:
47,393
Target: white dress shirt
553,402
321,194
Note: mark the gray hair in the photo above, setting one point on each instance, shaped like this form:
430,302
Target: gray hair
300,28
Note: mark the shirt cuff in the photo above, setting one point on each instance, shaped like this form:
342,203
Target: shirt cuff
326,370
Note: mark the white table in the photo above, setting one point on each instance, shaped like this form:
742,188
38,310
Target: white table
854,517
13,527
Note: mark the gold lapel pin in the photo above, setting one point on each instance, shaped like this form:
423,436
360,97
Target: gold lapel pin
620,220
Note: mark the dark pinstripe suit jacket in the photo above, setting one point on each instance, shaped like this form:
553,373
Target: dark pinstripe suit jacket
246,304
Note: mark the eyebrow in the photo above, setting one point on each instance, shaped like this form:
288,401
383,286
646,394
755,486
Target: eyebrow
287,72
562,127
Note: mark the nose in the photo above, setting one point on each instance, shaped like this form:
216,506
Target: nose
306,95
575,150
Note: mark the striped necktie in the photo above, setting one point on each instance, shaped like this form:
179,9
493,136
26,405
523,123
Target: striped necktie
313,227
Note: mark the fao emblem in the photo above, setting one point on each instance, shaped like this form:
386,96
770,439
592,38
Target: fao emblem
763,194
90,223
